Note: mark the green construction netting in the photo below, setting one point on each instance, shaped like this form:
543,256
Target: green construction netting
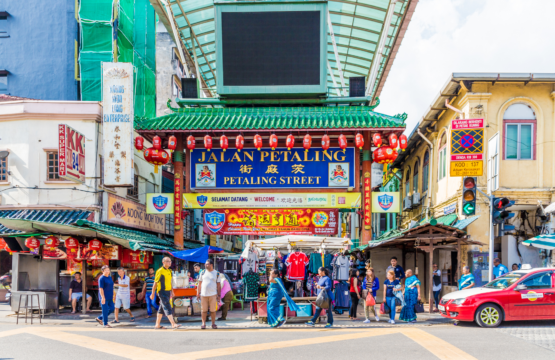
134,23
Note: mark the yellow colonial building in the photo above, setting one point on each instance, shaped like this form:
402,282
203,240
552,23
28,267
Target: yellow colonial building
519,160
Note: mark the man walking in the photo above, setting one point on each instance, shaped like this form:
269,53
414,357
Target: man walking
163,285
106,295
123,296
499,269
76,293
399,272
436,288
147,292
209,291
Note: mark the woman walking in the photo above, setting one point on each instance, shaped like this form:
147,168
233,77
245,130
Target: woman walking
412,295
354,291
324,284
389,289
277,292
370,285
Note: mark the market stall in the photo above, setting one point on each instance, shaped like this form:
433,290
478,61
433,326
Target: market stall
263,255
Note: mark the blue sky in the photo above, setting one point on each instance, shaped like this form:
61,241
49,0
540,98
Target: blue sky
447,36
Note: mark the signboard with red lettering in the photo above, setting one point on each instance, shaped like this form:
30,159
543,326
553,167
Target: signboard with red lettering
467,147
136,257
71,154
271,221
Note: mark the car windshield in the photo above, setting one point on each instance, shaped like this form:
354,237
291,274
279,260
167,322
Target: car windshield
504,281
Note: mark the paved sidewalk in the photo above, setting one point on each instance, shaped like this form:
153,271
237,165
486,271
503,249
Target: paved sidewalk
237,319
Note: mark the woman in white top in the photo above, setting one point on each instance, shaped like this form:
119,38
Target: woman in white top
437,286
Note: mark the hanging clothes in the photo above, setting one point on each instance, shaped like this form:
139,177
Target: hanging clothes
327,261
296,263
315,262
251,282
342,295
251,262
341,268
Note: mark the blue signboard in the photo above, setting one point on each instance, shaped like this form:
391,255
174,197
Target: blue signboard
270,169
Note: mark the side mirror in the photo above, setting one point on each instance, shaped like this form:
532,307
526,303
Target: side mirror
520,287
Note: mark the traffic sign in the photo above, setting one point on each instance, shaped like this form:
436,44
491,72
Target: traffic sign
467,168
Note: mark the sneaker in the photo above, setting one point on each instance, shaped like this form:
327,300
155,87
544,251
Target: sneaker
366,321
309,323
328,325
393,321
377,318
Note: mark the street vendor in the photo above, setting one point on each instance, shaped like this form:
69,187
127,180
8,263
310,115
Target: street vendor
76,292
196,268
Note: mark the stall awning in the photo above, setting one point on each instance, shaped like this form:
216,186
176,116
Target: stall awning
332,243
199,255
268,118
21,222
546,242
462,224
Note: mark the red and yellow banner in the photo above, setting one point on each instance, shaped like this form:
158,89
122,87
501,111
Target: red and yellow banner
270,222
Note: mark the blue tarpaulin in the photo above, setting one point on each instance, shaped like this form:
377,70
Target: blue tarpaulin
199,255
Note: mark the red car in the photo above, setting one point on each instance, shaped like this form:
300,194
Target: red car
519,295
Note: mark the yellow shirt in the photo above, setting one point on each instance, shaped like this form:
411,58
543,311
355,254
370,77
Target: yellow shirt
163,279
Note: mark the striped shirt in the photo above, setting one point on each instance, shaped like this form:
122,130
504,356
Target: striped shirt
149,283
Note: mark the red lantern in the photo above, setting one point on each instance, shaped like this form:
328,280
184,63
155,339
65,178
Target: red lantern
3,244
208,142
393,141
157,142
72,243
394,155
342,142
224,143
359,141
273,141
403,142
95,245
172,142
191,142
377,139
32,243
307,142
290,142
239,142
52,242
257,142
325,143
379,156
184,214
156,158
139,143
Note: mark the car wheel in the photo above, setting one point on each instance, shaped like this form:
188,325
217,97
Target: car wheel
489,315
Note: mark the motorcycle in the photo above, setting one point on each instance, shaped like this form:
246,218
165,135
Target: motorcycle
6,282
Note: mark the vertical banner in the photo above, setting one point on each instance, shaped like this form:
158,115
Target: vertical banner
71,154
117,123
177,201
367,191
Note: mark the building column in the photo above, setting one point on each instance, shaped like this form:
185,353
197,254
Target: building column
178,158
366,233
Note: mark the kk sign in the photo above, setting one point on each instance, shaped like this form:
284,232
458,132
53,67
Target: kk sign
71,154
271,169
385,202
159,203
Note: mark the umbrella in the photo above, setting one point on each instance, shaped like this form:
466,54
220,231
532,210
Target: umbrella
199,255
550,208
546,242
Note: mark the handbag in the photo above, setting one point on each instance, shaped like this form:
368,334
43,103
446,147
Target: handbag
384,309
419,307
370,301
323,300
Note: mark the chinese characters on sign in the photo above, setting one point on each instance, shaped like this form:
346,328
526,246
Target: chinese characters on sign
71,154
117,123
367,190
279,168
271,221
177,201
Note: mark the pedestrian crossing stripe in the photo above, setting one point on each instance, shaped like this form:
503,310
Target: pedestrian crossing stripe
467,141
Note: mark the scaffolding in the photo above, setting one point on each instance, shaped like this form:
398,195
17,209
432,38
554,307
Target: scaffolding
122,31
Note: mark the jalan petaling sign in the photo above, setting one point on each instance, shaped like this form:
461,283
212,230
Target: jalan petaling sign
270,169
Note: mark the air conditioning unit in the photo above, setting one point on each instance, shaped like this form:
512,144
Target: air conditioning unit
415,199
407,203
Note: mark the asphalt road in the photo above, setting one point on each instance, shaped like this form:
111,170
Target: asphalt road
467,341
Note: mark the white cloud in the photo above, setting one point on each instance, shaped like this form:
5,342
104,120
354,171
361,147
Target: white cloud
447,36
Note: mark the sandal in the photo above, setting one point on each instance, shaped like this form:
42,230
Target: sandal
160,328
203,327
133,319
99,321
115,322
176,327
214,326
107,326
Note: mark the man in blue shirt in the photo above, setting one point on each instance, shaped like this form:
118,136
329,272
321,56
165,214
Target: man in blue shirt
106,295
196,274
499,269
399,272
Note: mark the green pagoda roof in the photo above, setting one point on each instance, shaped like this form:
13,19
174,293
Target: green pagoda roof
272,118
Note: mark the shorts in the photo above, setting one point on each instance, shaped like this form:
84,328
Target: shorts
165,305
77,296
209,302
123,301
